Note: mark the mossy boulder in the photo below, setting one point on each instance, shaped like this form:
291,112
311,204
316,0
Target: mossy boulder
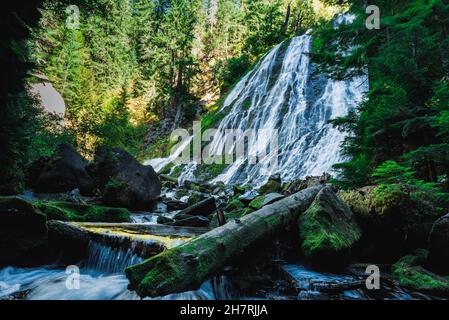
393,222
270,187
196,197
23,232
257,203
265,200
238,190
123,181
328,231
410,273
234,204
68,211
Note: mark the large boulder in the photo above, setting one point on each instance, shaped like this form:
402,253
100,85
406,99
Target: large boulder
272,185
439,244
124,182
23,232
64,171
328,231
393,222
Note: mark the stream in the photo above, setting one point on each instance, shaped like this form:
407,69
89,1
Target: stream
101,278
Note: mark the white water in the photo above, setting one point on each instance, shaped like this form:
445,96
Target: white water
159,163
101,278
285,96
281,93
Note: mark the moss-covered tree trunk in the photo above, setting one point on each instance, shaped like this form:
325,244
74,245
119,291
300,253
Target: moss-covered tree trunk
185,267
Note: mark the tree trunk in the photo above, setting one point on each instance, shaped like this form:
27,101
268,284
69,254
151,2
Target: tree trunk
286,21
187,266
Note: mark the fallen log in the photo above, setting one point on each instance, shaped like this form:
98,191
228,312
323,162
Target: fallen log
187,266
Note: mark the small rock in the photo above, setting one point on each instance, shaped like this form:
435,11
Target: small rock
164,220
270,187
174,205
202,208
248,196
194,221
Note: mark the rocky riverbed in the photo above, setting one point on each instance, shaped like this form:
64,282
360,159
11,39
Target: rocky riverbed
311,257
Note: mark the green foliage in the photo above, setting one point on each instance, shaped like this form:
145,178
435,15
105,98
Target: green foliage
232,70
394,178
404,115
409,272
50,133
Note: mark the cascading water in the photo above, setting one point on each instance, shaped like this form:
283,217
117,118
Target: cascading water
110,260
100,278
282,93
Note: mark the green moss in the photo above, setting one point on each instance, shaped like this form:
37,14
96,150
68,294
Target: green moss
410,274
194,198
328,231
67,211
257,203
207,172
213,118
176,172
387,199
322,235
238,190
270,187
246,104
167,168
159,149
234,204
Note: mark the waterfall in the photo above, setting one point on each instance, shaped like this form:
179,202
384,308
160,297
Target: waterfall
283,93
109,260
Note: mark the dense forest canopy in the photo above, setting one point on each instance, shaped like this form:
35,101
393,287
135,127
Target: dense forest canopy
399,134
123,67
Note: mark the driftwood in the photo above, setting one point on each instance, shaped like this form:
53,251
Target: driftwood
186,266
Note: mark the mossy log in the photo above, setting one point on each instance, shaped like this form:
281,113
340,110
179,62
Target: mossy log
185,267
